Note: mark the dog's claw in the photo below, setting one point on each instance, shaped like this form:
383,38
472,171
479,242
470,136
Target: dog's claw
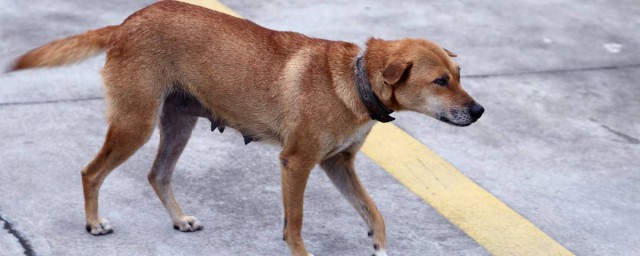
100,228
221,128
187,224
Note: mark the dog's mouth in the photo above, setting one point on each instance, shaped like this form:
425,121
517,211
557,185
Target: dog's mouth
445,119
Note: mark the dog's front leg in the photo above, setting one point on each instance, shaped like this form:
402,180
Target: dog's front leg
340,169
295,172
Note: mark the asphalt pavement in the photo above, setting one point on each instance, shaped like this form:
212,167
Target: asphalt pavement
559,142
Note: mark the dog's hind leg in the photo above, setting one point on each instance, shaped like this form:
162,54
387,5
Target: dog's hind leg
340,169
133,106
123,139
175,131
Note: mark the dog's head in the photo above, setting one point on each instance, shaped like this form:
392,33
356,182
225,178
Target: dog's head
418,75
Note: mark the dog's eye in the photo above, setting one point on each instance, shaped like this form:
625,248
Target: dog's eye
441,82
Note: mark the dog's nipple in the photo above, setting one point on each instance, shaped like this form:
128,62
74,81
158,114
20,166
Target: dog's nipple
247,139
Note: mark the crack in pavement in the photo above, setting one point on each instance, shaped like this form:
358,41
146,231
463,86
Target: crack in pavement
2,104
629,139
554,71
28,250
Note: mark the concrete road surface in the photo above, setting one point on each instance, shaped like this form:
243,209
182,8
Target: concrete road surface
559,142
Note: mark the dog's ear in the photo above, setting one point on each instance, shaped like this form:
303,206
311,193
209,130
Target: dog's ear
395,70
451,54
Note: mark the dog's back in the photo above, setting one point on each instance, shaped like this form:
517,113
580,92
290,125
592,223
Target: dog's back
245,74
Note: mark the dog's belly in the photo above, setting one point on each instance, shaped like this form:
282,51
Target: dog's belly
190,105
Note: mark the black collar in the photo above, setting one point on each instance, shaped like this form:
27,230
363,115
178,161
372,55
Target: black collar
377,110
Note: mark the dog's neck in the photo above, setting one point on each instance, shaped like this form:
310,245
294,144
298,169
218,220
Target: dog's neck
377,110
342,69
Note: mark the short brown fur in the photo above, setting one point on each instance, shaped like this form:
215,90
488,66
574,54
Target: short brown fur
171,62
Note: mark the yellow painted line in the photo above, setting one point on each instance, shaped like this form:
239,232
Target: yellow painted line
479,214
214,5
491,223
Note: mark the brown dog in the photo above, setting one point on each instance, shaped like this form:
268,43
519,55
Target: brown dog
172,62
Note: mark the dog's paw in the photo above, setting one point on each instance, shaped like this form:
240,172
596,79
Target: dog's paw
187,224
100,227
380,253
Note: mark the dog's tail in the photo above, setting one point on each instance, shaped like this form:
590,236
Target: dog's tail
67,50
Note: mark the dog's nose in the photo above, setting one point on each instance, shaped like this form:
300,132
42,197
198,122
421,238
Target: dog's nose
476,111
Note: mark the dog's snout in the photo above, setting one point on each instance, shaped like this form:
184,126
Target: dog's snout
476,111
